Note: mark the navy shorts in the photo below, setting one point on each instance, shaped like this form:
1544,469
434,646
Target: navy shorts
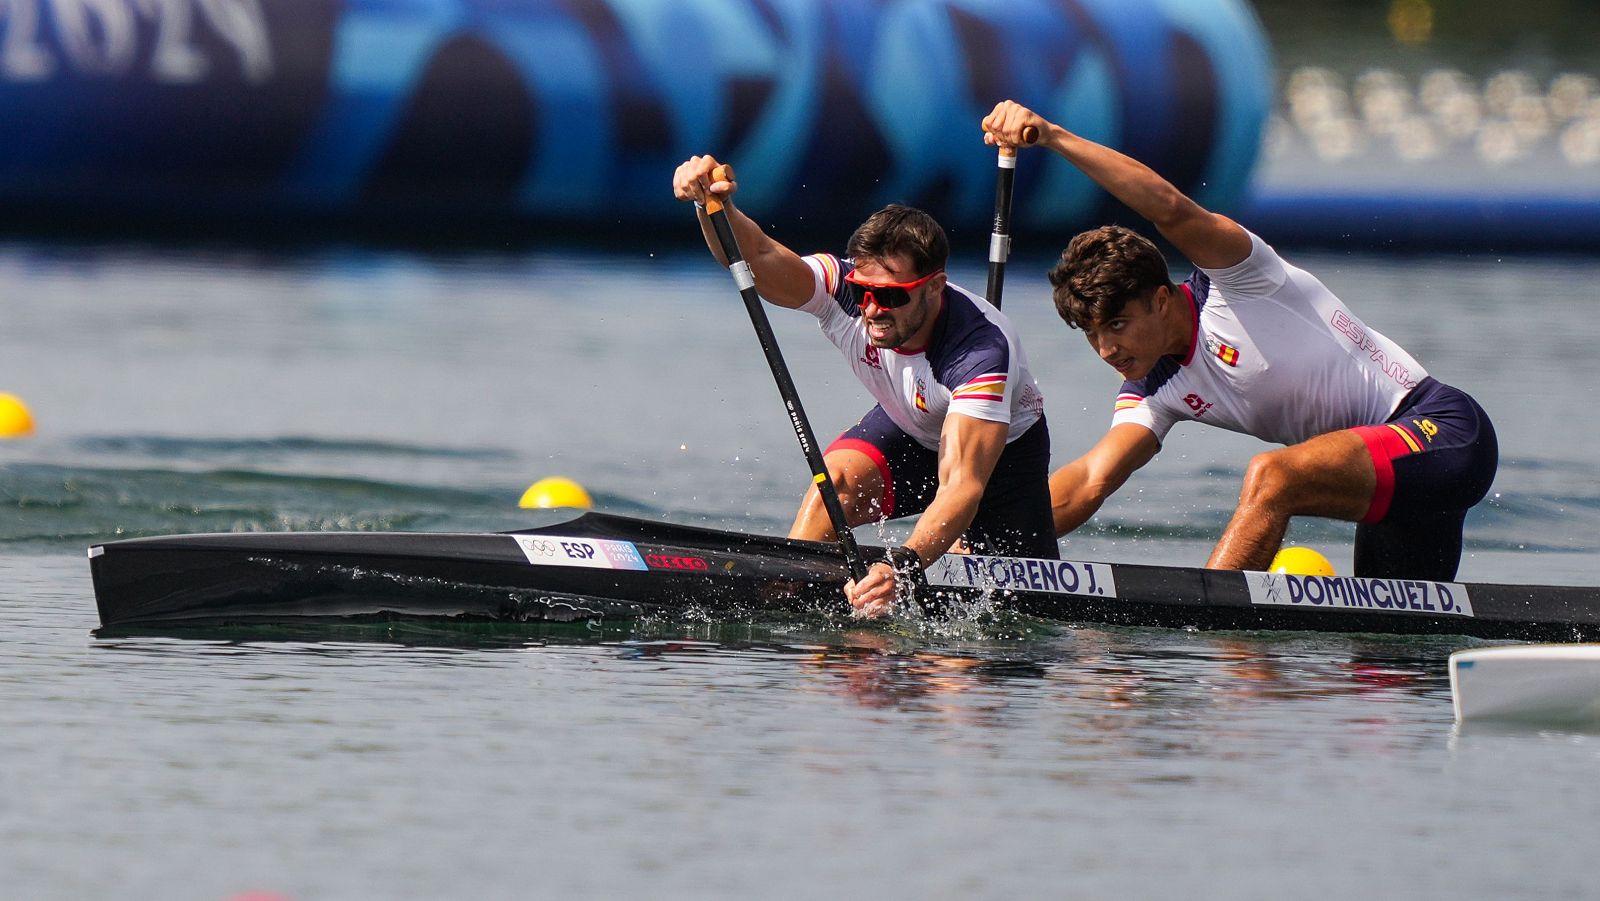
1435,458
1013,519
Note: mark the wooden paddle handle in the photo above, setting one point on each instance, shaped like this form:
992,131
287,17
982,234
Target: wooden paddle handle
714,203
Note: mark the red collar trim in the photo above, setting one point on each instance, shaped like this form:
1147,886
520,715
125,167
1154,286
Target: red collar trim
1194,316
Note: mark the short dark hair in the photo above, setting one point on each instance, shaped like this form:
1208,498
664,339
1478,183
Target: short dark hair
898,229
1102,270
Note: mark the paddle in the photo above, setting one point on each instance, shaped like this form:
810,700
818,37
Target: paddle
780,373
1000,240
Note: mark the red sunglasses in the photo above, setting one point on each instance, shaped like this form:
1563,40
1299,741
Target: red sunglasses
888,297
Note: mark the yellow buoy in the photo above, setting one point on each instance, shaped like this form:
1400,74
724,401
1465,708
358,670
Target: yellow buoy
555,492
15,420
1301,561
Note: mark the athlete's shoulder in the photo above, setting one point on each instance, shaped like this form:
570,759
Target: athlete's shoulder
830,272
971,334
1165,370
967,314
1262,272
829,268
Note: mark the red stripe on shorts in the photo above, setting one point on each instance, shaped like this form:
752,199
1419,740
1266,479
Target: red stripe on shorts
876,455
1384,443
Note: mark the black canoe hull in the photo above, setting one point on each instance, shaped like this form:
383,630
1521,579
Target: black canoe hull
611,567
239,578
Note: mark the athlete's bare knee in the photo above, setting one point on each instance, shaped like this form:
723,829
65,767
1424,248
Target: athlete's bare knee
845,480
858,491
1268,480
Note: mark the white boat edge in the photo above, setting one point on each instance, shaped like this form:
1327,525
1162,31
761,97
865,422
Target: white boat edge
1535,683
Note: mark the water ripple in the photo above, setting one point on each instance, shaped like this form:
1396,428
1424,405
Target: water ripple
54,505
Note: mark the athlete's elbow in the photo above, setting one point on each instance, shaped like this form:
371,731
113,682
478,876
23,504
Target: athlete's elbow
962,491
1068,519
1172,209
1071,509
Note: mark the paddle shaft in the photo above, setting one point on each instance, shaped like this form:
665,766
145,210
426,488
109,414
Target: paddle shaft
780,373
1000,238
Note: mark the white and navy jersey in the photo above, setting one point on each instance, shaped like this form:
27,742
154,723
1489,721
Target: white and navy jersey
1275,355
973,364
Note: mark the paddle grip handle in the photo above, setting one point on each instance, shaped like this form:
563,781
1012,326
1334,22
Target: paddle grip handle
1030,136
714,204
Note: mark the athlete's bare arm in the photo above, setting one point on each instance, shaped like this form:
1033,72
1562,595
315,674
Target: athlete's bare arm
1078,489
781,276
969,448
1209,240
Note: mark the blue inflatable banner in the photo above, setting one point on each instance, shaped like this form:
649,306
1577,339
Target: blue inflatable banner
577,111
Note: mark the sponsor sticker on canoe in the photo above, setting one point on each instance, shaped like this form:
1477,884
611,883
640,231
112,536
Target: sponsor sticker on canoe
676,561
1347,593
595,553
1023,574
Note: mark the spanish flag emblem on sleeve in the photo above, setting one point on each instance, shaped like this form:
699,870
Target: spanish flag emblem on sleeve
1224,352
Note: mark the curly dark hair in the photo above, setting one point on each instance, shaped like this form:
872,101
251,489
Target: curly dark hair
1102,270
898,229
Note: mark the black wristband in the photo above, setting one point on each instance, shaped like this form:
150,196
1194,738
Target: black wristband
904,558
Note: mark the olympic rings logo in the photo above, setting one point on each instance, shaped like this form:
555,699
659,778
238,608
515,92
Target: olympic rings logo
541,547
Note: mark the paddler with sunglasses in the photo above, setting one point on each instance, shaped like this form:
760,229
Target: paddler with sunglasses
958,434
